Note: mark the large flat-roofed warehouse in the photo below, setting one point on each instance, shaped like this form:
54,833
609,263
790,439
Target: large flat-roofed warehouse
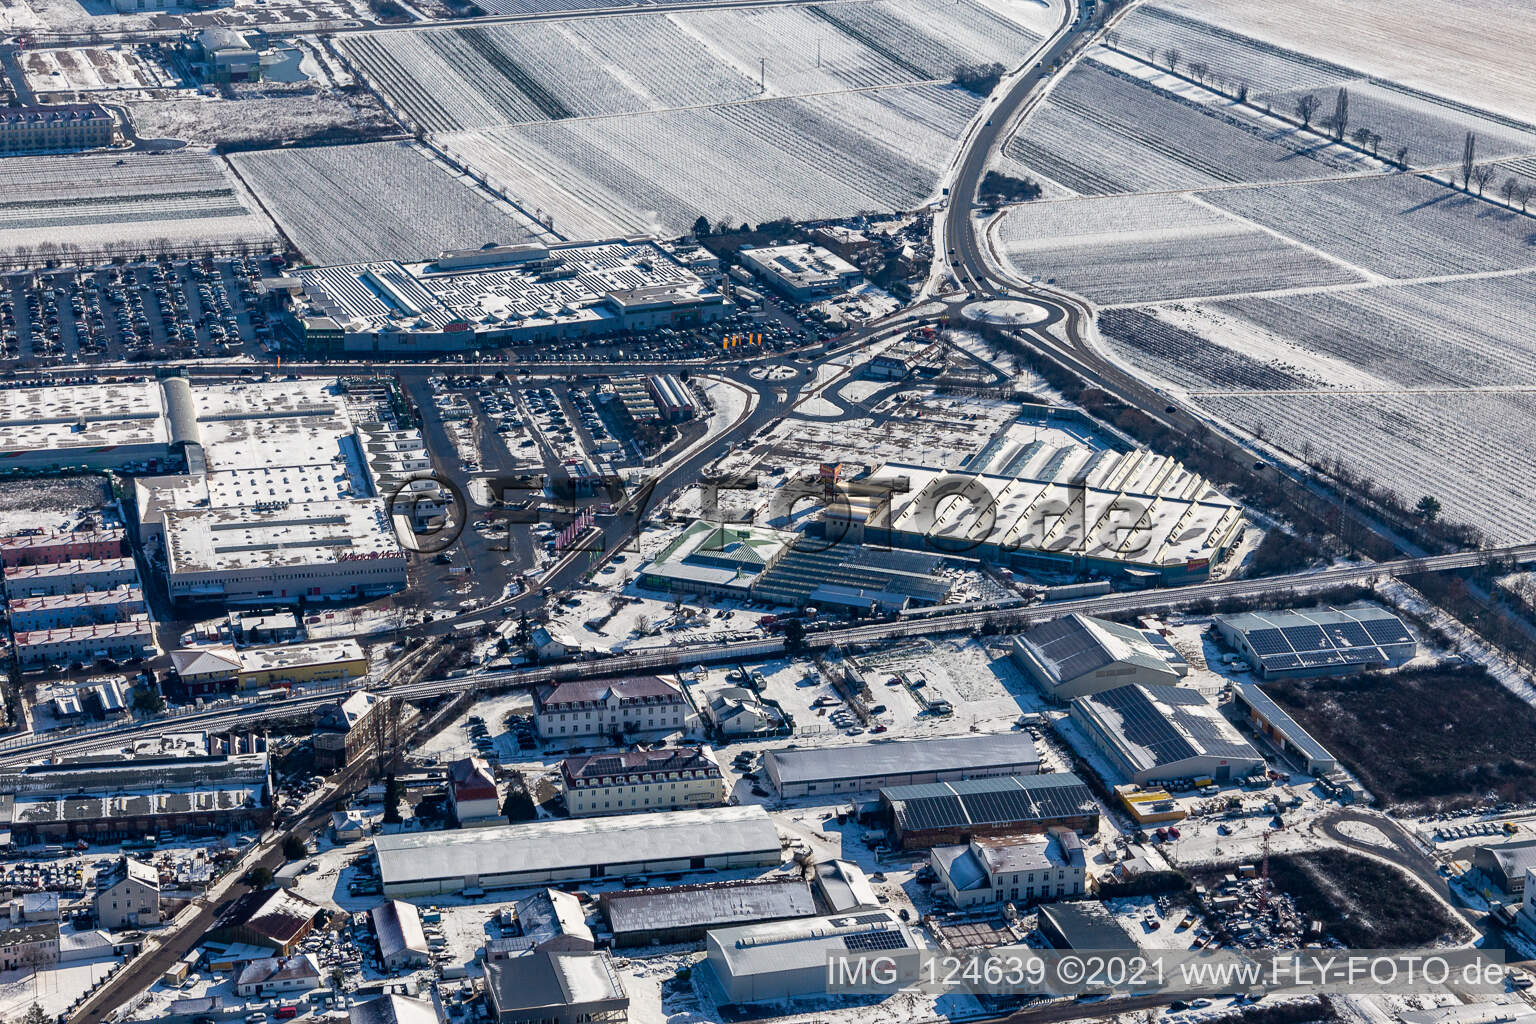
1274,722
429,863
955,812
1077,655
1319,641
1160,733
802,272
1070,509
90,426
683,913
278,503
134,797
499,295
834,771
788,959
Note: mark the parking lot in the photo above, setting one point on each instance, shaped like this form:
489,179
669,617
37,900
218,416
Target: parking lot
136,312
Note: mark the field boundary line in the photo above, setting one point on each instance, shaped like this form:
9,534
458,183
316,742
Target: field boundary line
1319,289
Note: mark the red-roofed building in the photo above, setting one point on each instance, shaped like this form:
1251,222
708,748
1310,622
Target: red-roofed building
473,793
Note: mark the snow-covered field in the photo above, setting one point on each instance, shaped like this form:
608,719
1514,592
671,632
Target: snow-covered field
1104,130
1154,248
386,200
1476,52
1468,448
91,202
446,79
1402,226
807,158
1421,389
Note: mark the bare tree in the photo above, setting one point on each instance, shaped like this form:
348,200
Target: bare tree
1242,92
1402,157
1481,176
1509,190
1198,69
1362,137
1340,120
1306,107
1171,57
1468,156
1112,39
1525,196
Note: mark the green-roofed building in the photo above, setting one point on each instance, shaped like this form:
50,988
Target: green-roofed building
716,560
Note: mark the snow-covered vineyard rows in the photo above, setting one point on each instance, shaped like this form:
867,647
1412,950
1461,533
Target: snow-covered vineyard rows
1470,449
96,202
446,79
1431,129
556,6
1127,250
1231,56
380,201
1401,226
810,158
1187,360
1469,333
1103,131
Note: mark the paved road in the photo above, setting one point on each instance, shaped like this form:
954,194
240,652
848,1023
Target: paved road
1405,852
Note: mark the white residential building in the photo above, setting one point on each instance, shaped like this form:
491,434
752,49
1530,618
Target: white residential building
642,780
128,896
599,707
1016,869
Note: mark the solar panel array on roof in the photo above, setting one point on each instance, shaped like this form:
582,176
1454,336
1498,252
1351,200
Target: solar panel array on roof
1006,800
1359,635
861,942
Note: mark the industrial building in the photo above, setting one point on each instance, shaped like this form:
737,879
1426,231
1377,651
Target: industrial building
1082,925
496,296
1505,865
1162,733
802,272
836,575
262,668
940,813
1300,644
1077,655
1273,722
1015,869
843,886
664,779
556,987
51,547
277,505
50,128
541,852
683,913
787,960
866,767
91,606
275,919
274,501
595,707
279,976
51,579
920,350
85,645
135,797
549,919
402,943
674,398
83,426
1059,509
716,560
